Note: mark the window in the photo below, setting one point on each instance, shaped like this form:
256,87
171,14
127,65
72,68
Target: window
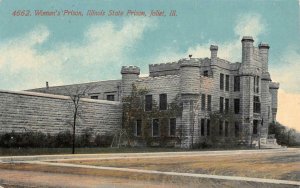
110,97
94,97
205,73
202,126
173,127
163,104
256,104
255,126
208,127
226,106
209,102
227,83
256,84
138,128
148,104
236,129
155,128
226,128
236,106
221,104
236,83
220,128
203,102
221,81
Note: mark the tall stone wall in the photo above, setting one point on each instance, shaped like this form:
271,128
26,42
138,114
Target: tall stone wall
29,111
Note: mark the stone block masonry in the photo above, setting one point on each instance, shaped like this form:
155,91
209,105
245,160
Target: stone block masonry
48,113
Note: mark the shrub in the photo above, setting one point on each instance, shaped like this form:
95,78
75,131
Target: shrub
103,140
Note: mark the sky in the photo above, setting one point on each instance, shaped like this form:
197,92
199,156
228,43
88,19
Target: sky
65,49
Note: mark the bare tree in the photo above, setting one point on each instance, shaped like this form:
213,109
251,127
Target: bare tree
76,93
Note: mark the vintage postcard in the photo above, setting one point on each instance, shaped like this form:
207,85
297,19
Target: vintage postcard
149,93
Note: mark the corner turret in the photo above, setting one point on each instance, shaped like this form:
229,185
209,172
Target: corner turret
129,75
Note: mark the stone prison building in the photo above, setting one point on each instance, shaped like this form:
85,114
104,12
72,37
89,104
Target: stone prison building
183,104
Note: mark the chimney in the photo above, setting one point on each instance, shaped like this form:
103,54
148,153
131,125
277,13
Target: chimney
264,53
213,52
247,49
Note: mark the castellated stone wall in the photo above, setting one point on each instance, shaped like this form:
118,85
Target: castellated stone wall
29,111
161,85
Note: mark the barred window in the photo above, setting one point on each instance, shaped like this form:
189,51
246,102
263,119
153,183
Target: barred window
236,106
202,126
209,102
148,103
221,104
208,127
255,126
221,81
110,97
227,83
256,104
256,84
138,129
203,102
173,127
236,83
155,127
163,104
226,106
94,97
220,128
226,128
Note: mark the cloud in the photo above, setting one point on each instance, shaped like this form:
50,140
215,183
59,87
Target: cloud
246,25
250,24
103,45
20,53
287,70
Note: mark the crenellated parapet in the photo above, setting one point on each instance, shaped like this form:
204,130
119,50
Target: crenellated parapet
130,70
189,62
163,69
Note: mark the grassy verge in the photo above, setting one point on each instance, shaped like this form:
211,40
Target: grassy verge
94,150
53,151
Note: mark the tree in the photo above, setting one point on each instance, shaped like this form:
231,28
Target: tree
283,134
133,110
216,137
76,94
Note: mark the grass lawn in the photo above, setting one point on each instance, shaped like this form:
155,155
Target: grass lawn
284,166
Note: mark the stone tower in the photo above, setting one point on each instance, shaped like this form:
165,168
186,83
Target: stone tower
265,92
129,75
247,73
190,92
274,92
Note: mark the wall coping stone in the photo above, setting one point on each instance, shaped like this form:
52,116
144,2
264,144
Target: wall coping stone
46,95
